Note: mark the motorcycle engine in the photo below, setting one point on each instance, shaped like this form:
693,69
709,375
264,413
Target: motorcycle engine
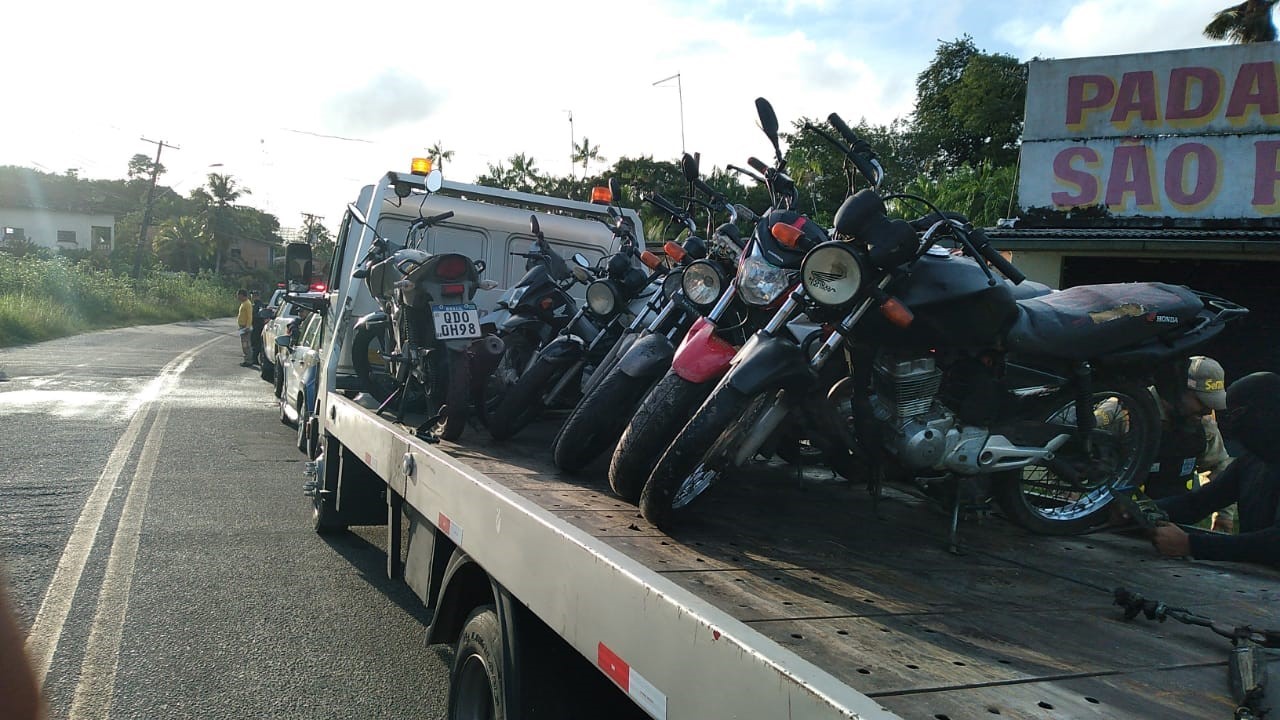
919,430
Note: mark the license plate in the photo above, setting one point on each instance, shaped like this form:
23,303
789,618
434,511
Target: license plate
456,322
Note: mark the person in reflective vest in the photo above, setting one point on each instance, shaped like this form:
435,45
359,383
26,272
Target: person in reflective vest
1190,442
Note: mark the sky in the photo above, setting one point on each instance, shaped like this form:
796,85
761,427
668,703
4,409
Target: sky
304,103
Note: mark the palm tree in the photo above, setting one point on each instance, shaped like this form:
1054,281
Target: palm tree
186,243
219,194
1248,22
525,172
586,152
438,154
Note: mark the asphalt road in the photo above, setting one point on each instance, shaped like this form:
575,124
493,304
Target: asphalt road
158,551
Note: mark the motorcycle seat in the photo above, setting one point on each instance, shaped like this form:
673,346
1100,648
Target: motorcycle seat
1088,321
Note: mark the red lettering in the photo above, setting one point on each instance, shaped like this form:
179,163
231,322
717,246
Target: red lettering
1175,175
1103,92
1137,93
1256,85
1085,183
1182,83
1130,173
1266,175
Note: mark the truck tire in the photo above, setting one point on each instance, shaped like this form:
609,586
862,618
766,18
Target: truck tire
654,425
685,470
523,401
598,420
1038,500
476,685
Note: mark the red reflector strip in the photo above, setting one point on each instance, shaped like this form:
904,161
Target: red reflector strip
637,688
448,527
453,289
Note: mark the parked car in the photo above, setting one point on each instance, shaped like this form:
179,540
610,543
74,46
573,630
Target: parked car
299,354
282,322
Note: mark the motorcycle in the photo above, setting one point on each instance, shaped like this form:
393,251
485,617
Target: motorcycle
950,380
560,370
640,358
425,341
732,305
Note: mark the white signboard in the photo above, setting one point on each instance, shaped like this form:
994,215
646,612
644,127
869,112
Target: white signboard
1183,134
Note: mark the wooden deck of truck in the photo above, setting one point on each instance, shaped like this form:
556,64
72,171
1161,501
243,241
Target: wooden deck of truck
822,591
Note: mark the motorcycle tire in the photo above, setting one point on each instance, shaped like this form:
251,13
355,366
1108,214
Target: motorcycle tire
655,423
599,419
453,415
375,380
278,373
1043,503
680,476
522,403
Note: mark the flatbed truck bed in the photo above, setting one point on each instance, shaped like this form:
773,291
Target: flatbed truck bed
790,594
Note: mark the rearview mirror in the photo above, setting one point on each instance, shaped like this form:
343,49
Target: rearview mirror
297,264
533,225
435,180
615,190
689,165
768,119
284,341
581,261
355,213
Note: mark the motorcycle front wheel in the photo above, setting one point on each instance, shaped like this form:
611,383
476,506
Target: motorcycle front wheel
652,427
699,453
598,420
1122,448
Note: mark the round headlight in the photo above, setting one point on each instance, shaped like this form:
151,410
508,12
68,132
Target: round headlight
671,284
602,297
702,283
831,273
760,283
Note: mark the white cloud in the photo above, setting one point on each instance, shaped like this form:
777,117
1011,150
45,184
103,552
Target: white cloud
1112,27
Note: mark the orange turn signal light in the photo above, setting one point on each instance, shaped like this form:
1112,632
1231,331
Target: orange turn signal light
601,195
420,166
650,260
673,250
788,235
897,313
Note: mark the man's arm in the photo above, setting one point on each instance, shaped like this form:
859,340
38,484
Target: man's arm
1198,504
1261,547
1214,459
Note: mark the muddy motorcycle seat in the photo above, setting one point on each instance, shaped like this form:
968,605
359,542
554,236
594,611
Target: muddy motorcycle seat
1089,321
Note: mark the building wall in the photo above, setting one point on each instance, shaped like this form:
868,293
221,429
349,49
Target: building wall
253,255
45,227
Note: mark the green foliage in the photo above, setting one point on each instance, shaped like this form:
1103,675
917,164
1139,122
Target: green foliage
981,193
46,298
1248,22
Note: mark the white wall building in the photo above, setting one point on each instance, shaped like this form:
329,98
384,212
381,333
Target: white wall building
58,230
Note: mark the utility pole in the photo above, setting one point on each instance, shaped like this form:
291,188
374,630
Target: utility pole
573,148
146,210
680,94
309,221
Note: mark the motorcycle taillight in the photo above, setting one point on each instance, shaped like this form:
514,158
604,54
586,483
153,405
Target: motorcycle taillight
455,289
449,268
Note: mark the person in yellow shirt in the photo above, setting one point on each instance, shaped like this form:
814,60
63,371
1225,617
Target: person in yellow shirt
244,320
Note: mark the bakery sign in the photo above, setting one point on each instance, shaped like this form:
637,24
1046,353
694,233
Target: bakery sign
1183,134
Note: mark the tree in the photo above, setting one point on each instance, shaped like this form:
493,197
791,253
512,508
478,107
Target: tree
585,152
185,243
969,106
218,196
1248,22
141,167
438,155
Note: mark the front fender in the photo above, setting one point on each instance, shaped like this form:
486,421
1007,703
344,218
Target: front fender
374,318
563,350
650,357
702,356
768,362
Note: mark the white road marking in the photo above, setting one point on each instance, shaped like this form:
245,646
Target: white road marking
46,631
102,656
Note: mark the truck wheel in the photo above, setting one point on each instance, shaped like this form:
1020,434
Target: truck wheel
324,515
476,683
654,425
523,401
598,421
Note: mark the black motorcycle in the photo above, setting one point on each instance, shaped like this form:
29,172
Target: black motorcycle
559,371
949,377
421,344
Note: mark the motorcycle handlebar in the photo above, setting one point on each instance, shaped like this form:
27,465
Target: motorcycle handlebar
993,256
858,150
758,165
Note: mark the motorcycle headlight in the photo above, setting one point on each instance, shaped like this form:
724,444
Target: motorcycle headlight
702,284
831,273
602,298
513,295
760,283
672,283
